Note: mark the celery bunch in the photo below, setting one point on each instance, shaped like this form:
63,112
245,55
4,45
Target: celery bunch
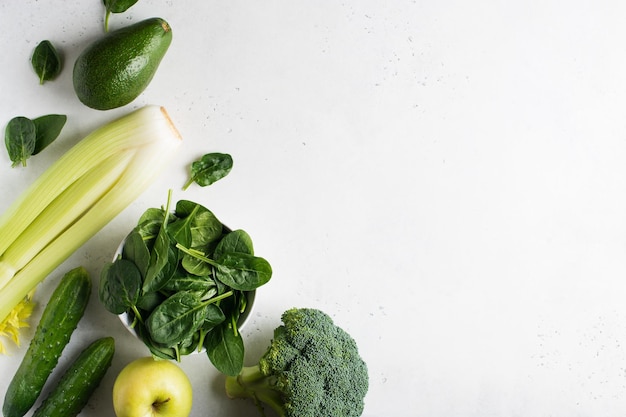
78,195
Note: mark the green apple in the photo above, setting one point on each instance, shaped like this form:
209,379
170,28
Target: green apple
152,388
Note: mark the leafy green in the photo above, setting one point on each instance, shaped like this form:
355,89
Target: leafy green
115,6
46,61
237,241
181,315
225,349
209,168
120,291
159,257
47,129
24,137
20,137
193,275
242,271
136,251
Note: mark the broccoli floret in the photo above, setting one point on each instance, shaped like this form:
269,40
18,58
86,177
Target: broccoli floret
312,368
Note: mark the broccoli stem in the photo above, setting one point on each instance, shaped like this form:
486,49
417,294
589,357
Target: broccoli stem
252,383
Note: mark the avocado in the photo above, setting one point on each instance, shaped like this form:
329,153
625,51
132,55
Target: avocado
115,69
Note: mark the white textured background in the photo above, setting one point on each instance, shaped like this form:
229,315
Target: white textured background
446,179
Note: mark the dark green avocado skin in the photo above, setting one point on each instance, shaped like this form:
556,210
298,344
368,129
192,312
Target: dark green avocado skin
115,69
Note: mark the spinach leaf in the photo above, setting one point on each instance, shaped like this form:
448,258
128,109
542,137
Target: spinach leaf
184,281
157,281
195,266
239,271
160,254
204,227
237,241
20,137
149,225
152,215
158,351
136,251
47,129
213,317
225,349
178,317
150,300
115,6
210,168
242,271
46,61
190,345
180,230
25,137
120,286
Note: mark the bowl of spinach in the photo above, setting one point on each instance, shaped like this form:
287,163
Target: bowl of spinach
183,282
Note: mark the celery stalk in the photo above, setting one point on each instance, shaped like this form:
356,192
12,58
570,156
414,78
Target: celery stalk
94,181
52,221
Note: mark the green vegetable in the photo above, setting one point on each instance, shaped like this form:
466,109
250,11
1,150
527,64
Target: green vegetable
312,368
19,138
46,61
115,6
115,69
47,128
182,276
79,382
181,315
24,137
78,195
59,319
225,348
210,168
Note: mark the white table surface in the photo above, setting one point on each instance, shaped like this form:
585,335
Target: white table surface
446,179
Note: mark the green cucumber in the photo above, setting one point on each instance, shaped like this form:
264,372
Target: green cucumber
80,381
58,321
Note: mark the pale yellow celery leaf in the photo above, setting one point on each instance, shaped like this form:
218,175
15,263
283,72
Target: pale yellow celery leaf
16,320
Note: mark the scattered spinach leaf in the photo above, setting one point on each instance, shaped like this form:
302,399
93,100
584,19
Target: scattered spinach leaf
209,168
115,6
47,129
24,137
20,137
46,61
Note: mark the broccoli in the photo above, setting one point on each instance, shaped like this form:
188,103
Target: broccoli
312,368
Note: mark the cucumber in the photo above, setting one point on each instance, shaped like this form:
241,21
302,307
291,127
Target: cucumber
58,320
79,381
